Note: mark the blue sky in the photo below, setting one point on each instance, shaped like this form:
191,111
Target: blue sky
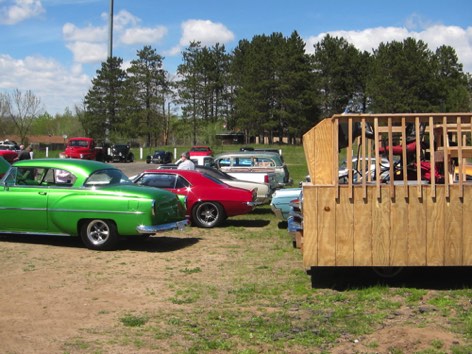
54,47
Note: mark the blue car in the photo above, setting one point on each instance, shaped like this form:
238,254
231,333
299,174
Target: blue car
281,199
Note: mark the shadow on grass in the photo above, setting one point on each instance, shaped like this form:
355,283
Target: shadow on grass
262,211
245,223
282,225
431,278
156,244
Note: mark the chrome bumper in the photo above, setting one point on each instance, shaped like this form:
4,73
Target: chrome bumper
178,225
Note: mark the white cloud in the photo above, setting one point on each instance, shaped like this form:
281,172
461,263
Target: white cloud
123,20
90,44
86,52
20,10
434,36
206,32
56,86
87,34
143,35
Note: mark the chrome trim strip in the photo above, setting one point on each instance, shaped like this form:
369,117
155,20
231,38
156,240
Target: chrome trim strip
32,233
26,209
75,211
152,229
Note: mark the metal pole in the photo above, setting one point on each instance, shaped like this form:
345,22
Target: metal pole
110,55
110,33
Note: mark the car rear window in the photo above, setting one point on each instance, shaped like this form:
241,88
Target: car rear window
106,178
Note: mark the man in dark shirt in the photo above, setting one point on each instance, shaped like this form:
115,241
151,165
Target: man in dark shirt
25,154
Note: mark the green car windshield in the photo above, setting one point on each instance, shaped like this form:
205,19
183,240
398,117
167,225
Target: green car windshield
106,178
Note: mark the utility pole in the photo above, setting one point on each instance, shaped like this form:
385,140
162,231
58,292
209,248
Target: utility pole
110,55
110,31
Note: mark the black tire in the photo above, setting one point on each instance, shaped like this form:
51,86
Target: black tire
131,158
98,234
208,214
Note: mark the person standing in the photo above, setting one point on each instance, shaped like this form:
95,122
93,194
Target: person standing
25,154
186,163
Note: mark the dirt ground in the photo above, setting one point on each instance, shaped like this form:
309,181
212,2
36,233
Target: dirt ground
53,290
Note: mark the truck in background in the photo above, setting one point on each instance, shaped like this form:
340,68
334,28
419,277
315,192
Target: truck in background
85,149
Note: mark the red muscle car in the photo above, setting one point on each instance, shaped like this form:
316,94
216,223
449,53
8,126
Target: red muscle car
209,200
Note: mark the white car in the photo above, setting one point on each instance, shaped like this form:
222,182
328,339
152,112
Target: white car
357,166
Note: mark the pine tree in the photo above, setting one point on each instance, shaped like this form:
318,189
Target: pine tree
147,89
104,103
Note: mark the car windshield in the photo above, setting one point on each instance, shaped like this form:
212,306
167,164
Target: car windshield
81,143
107,177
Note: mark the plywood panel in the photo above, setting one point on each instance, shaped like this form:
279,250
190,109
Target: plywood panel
467,226
309,149
381,229
326,226
417,228
324,153
363,227
310,227
435,226
399,228
453,228
344,229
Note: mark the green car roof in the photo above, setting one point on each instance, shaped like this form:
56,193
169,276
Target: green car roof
80,168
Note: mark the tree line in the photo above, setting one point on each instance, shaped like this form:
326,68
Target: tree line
268,87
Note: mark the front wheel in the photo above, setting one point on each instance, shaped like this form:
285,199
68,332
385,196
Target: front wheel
100,235
208,214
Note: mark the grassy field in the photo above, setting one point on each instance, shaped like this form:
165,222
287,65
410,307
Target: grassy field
245,291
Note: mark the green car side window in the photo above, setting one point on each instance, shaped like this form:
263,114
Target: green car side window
29,176
58,177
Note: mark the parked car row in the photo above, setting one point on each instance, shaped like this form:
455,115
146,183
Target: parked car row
99,203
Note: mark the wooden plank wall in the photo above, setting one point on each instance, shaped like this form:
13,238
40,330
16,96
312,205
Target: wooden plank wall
386,232
374,224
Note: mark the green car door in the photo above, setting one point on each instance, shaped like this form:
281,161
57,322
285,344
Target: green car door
24,206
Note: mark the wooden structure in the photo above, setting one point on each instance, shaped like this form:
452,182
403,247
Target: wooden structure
403,221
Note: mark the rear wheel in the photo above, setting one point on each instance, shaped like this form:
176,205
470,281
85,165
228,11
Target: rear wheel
99,234
208,214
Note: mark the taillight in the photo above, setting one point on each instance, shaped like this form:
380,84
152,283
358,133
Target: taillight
266,178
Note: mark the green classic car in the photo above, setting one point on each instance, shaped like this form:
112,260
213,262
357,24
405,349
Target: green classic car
90,199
